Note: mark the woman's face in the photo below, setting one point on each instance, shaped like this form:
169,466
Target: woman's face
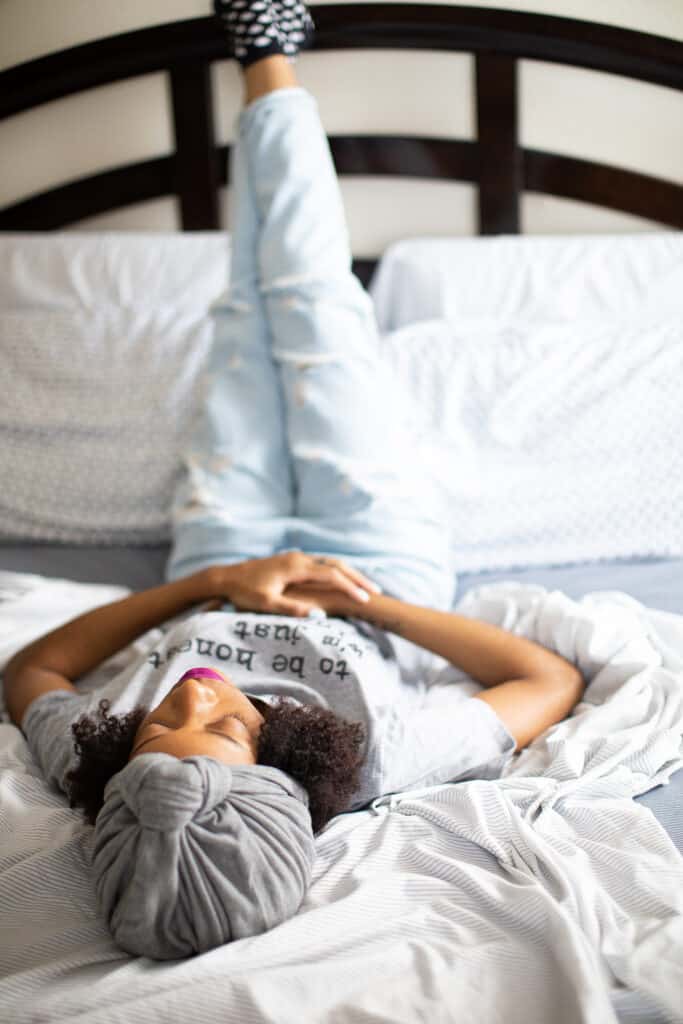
202,714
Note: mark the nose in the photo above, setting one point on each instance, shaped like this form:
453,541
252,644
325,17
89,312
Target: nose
193,695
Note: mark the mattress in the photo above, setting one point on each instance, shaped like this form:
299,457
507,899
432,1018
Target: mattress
657,583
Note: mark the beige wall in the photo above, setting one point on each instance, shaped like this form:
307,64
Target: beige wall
571,111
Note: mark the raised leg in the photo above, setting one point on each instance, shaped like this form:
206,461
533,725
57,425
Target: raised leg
358,492
234,499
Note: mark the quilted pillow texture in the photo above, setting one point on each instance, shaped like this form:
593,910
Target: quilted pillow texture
102,342
547,376
553,443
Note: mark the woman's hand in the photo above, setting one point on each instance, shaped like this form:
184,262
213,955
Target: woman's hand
260,583
336,603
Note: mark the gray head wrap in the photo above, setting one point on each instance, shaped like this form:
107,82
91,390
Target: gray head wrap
190,854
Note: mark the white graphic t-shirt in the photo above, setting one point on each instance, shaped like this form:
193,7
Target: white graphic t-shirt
419,733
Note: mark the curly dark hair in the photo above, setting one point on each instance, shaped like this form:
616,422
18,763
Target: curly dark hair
103,748
318,748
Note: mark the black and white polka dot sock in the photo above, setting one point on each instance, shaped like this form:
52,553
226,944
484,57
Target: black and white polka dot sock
259,28
296,22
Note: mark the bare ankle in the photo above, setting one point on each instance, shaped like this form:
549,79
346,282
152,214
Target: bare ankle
267,75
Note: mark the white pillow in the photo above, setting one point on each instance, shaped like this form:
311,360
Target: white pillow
548,389
102,342
554,442
537,279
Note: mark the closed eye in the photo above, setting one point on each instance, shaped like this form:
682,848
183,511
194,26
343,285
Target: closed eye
218,721
223,736
215,732
232,715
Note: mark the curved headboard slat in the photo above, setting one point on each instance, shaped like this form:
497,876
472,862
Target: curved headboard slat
390,155
88,197
611,187
495,161
353,26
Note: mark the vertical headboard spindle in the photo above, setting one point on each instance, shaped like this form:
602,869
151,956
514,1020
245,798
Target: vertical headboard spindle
196,170
500,156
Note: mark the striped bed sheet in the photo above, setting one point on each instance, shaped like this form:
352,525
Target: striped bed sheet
461,902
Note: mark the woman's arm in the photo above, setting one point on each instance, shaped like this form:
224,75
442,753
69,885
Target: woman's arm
85,642
529,687
68,652
488,654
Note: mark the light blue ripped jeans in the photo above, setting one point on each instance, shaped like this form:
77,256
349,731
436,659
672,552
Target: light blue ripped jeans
301,444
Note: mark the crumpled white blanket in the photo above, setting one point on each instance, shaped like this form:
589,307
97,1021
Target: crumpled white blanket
527,899
560,823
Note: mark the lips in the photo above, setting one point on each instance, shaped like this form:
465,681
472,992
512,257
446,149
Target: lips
198,673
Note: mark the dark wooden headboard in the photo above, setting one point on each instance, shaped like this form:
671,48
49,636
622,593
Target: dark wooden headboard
495,162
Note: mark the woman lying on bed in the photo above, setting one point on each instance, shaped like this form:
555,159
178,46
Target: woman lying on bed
272,684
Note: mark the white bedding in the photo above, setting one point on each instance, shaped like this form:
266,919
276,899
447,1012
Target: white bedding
528,899
551,443
543,393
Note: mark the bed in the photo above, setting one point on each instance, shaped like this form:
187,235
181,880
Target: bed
521,897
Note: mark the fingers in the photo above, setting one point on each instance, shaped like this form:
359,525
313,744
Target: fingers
340,581
330,578
297,562
356,578
359,578
263,581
